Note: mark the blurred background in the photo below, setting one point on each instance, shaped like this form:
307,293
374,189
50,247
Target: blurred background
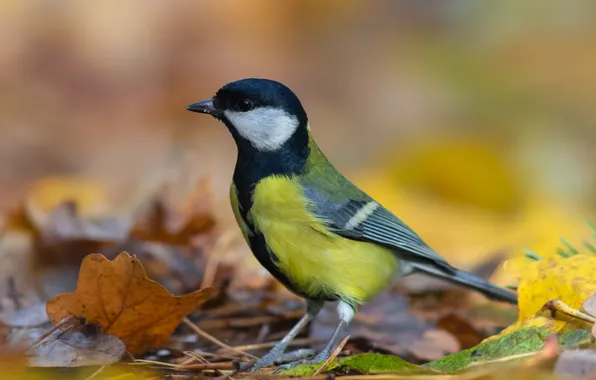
473,121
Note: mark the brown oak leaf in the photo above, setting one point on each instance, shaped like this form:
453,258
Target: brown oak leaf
118,297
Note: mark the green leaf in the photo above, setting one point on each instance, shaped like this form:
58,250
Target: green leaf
520,342
524,341
364,364
302,370
377,363
576,338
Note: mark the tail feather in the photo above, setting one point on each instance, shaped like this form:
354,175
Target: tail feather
469,280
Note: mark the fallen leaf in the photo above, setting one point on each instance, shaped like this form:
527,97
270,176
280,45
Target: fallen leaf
569,279
166,221
576,338
490,357
63,236
77,348
47,193
179,268
118,297
514,345
65,222
365,364
471,172
378,363
437,183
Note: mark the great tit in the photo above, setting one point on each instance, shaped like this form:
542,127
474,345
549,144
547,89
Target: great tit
310,227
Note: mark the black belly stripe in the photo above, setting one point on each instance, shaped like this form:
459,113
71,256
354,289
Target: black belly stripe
268,259
251,167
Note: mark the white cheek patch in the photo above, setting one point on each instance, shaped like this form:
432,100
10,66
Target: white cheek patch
266,128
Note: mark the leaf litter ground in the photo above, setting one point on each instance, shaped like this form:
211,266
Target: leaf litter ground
114,315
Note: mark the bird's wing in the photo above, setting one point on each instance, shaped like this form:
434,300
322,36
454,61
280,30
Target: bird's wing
367,220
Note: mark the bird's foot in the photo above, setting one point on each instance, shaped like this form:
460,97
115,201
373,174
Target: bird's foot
265,361
319,358
274,358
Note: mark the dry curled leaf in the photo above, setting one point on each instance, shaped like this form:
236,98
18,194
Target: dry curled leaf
118,297
75,348
65,222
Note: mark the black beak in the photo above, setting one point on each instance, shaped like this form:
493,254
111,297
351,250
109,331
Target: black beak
204,106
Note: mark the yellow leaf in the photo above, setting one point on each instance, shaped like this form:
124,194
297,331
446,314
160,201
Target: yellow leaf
48,193
571,280
469,204
89,196
472,172
119,298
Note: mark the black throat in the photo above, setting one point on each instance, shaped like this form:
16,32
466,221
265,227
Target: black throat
253,165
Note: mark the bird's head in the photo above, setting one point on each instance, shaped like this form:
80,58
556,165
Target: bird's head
261,112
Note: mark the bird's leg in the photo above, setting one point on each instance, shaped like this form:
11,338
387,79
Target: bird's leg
346,314
312,309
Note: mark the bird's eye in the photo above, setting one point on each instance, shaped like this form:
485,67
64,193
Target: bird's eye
245,105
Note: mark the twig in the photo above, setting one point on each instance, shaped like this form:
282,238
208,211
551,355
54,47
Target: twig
189,359
560,306
154,362
295,342
184,367
204,361
207,366
332,356
213,339
226,310
51,331
231,356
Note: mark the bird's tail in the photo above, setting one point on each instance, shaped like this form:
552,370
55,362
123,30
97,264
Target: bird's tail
469,280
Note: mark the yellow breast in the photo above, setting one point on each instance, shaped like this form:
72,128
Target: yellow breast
319,263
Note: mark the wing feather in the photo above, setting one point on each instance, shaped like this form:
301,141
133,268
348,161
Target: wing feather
379,226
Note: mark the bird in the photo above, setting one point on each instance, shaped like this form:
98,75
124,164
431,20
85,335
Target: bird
314,230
